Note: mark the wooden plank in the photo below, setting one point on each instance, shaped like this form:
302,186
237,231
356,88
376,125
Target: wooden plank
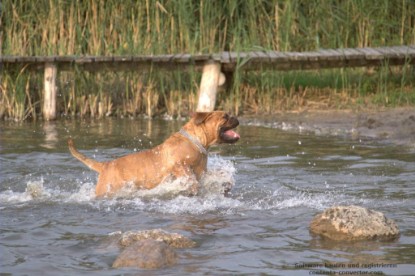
101,59
312,56
45,59
406,55
329,58
234,56
176,58
66,59
351,53
272,55
276,56
251,55
185,58
243,59
328,54
242,55
387,53
336,54
404,51
85,59
296,56
217,57
398,54
324,54
225,57
162,58
27,59
201,57
254,60
8,59
257,58
262,57
121,59
371,53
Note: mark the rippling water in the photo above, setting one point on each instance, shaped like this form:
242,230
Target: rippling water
51,223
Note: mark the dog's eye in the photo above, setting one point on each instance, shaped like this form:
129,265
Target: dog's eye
226,117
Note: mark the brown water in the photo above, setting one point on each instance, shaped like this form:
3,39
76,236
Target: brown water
51,224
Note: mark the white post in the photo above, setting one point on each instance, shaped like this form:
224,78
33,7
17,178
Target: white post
211,79
50,92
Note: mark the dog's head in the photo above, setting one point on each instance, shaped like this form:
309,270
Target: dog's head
216,127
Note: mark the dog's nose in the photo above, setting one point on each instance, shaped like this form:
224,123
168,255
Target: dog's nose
234,121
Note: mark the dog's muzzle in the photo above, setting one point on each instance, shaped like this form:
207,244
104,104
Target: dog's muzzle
226,132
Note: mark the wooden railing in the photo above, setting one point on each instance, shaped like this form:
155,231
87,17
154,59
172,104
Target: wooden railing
212,65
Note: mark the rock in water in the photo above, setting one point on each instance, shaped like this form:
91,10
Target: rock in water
150,249
353,223
148,254
173,239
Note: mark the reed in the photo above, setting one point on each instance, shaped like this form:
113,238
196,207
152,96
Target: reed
270,92
111,27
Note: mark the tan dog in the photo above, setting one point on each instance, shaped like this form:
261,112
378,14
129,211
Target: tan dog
182,154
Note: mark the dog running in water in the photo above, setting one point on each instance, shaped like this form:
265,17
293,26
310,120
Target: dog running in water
183,154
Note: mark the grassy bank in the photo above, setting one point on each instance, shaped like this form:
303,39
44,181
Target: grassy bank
57,27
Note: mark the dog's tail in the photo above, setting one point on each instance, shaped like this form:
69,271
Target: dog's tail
92,164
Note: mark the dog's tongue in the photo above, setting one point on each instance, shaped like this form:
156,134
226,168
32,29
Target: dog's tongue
232,134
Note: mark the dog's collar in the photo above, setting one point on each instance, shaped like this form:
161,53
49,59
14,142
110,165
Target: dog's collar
194,140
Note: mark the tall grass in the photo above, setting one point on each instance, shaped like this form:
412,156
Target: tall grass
271,92
130,27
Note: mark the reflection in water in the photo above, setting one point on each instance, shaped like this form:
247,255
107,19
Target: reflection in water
206,225
51,135
148,130
357,252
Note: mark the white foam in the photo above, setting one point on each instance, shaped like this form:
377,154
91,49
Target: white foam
85,193
193,205
34,191
14,197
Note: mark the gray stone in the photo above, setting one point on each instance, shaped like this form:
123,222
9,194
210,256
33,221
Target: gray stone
353,223
147,254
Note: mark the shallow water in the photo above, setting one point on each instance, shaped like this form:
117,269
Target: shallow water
51,224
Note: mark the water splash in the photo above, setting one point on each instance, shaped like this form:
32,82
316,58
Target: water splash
168,197
220,176
35,190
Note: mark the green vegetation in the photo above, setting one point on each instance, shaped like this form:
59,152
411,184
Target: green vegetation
130,27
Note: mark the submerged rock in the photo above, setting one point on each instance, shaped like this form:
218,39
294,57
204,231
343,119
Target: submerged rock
172,239
150,249
353,223
148,254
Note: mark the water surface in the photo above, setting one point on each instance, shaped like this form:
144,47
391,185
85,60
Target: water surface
51,223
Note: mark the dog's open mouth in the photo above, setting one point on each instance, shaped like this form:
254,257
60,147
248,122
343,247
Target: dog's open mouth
230,136
227,134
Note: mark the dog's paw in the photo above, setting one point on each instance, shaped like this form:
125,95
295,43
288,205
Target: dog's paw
194,189
227,187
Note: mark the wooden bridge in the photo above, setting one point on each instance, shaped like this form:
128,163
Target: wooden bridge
213,65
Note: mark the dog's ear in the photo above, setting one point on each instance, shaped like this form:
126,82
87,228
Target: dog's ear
200,117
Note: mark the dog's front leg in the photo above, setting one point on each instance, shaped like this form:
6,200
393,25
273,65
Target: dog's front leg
191,180
193,189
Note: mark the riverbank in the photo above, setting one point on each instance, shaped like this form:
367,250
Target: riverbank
391,125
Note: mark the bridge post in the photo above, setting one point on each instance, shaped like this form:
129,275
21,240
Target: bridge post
50,91
212,77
